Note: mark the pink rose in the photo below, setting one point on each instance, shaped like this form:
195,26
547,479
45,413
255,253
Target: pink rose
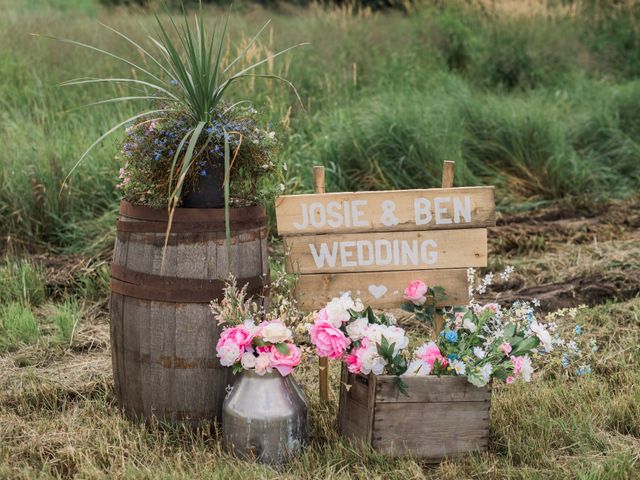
415,292
517,364
430,353
510,380
506,348
285,363
492,307
238,335
329,340
354,364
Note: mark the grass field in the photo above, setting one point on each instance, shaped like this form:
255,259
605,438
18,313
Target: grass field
540,99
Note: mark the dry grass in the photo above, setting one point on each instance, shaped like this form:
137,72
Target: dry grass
59,416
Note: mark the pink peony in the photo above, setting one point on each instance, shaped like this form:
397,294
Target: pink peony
517,364
430,353
238,335
506,348
354,364
415,292
510,380
285,363
329,340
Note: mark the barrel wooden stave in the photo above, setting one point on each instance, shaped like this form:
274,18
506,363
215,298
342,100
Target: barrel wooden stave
163,352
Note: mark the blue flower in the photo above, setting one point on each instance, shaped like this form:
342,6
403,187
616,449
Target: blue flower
451,336
173,81
565,360
203,172
453,356
157,156
578,330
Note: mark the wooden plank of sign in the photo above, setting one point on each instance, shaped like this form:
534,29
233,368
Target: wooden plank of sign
378,289
394,210
391,251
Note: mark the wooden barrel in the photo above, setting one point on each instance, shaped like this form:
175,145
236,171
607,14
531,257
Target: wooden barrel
163,334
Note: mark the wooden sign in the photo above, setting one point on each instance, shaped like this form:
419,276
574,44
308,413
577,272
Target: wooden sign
374,243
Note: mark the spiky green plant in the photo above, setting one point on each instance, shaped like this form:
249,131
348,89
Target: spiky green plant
185,74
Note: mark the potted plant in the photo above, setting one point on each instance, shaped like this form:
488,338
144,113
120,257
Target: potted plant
189,147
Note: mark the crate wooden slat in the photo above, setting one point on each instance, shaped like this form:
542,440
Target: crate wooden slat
442,416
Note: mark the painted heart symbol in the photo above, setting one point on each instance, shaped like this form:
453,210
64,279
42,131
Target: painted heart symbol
377,290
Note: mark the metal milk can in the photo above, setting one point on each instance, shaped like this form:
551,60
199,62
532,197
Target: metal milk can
264,417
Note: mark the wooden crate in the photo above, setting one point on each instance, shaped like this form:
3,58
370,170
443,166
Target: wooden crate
441,417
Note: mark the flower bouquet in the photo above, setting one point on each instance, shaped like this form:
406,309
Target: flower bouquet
265,412
441,387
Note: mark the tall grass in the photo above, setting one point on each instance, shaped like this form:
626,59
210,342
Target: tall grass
543,104
18,326
22,282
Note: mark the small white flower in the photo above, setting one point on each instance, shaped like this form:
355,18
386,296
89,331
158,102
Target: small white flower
271,135
358,306
282,187
469,325
486,371
459,367
479,352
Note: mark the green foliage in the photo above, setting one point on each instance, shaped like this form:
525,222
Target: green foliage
18,326
149,150
390,96
66,317
21,281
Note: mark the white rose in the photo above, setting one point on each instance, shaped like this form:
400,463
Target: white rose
371,361
276,332
248,361
374,333
469,325
397,336
229,354
356,329
338,310
263,364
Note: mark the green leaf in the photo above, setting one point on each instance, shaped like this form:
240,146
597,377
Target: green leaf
402,386
509,330
283,348
526,346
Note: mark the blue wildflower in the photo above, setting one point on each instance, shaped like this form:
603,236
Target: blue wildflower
453,356
451,336
203,172
173,81
157,156
578,330
565,360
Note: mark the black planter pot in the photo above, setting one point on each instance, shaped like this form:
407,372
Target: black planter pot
207,191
